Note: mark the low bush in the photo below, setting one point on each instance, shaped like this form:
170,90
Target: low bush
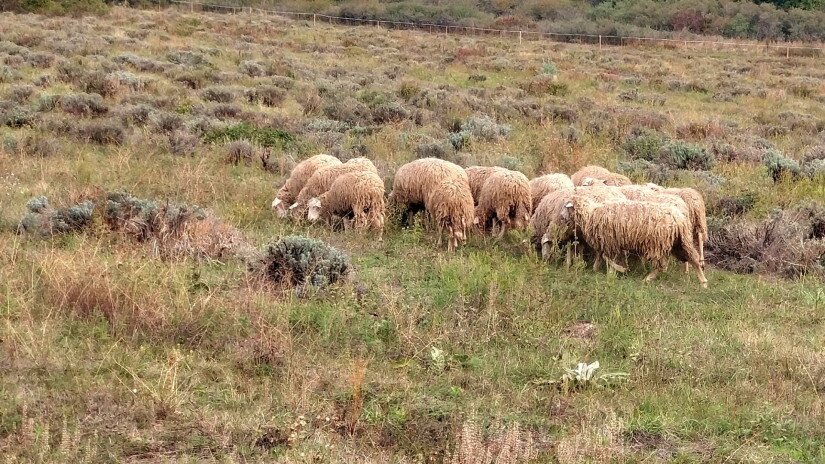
83,104
644,144
267,95
263,136
240,151
779,166
218,94
301,261
789,243
44,220
683,155
182,143
734,206
101,132
389,113
17,117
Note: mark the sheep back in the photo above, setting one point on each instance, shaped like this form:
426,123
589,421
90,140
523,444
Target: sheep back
506,197
542,185
416,179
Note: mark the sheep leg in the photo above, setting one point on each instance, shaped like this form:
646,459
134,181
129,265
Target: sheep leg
653,274
568,259
615,265
597,263
502,230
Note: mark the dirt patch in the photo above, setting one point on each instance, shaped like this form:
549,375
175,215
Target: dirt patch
582,330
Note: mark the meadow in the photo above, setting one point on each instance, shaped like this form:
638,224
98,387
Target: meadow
115,351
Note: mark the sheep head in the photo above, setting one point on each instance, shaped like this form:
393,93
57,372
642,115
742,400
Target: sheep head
314,208
279,207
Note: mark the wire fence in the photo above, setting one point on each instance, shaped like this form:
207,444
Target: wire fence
787,49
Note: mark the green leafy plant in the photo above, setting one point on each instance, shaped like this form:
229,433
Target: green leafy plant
302,261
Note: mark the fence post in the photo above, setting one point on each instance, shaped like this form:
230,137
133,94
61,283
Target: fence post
191,7
446,29
600,41
519,37
787,52
313,19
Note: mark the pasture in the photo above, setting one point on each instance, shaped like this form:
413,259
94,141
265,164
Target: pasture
112,350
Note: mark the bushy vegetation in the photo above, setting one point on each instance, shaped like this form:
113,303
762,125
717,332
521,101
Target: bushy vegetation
137,332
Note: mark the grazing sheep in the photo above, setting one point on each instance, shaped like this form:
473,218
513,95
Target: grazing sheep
654,231
415,180
358,194
697,213
322,180
597,172
504,201
450,207
477,175
542,185
552,224
297,179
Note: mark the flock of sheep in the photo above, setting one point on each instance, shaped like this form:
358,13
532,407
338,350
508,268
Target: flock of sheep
596,212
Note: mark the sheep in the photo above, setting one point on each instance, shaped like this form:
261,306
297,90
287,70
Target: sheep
359,194
542,185
652,230
696,211
297,179
322,180
415,180
552,225
450,207
504,200
477,175
597,172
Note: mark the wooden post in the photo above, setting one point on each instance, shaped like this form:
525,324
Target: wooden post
519,37
191,7
446,29
313,19
787,52
600,41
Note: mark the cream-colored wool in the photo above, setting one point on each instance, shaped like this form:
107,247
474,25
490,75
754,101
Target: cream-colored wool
597,172
360,194
450,207
477,175
542,185
297,179
322,180
698,215
552,224
505,200
415,180
697,212
654,231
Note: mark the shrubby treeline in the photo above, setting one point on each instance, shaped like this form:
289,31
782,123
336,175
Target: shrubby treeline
784,20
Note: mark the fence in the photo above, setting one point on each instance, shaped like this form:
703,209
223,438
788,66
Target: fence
521,35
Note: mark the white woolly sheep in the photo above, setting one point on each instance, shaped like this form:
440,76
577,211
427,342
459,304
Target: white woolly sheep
450,208
477,175
654,231
552,224
322,180
542,185
297,179
697,213
504,201
359,195
415,180
597,172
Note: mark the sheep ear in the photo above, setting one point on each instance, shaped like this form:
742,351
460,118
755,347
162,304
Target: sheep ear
314,211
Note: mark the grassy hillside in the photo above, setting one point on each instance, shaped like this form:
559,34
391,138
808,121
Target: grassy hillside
114,351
